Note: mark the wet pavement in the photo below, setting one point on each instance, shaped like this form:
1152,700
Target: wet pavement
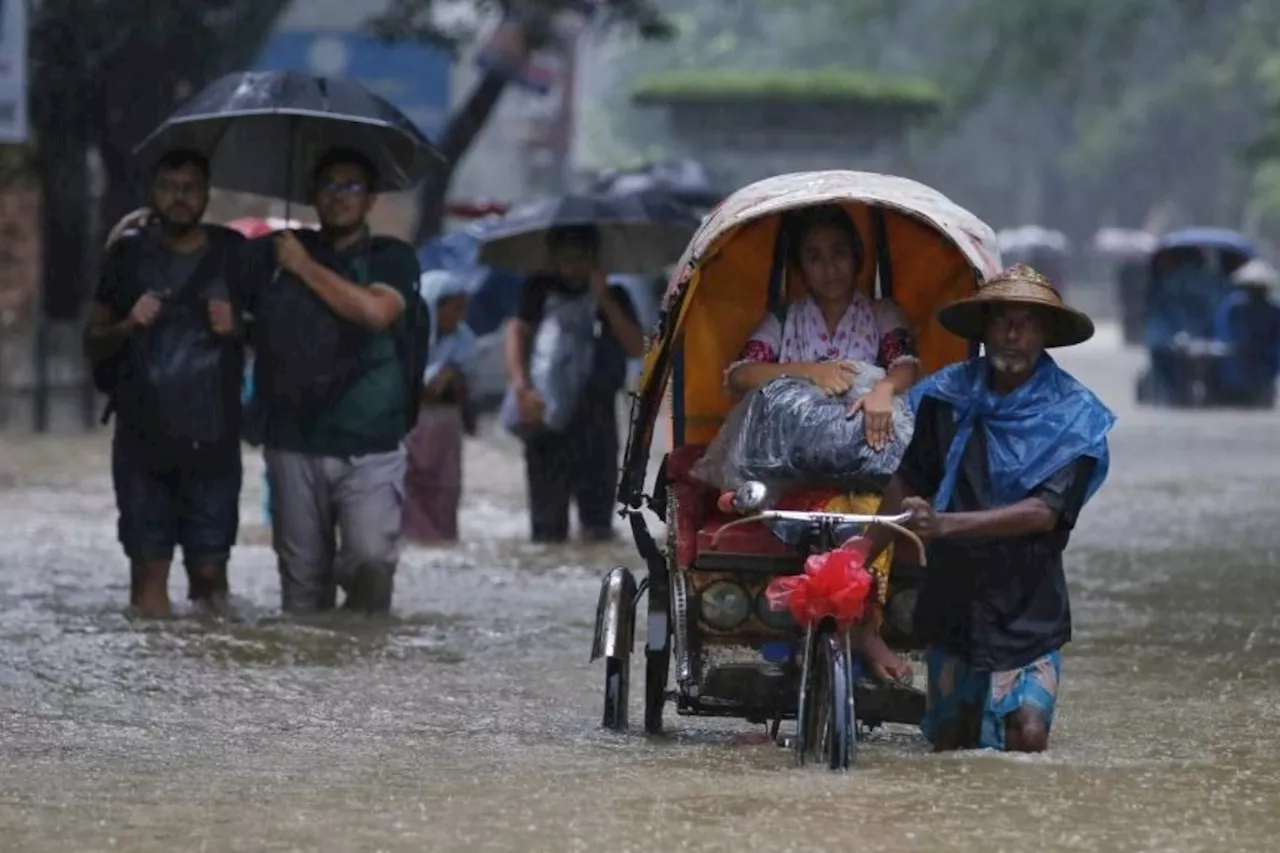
469,720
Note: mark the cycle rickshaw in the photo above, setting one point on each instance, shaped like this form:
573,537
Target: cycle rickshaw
706,610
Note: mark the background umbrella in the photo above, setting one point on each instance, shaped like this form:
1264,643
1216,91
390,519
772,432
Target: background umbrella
264,132
684,181
640,234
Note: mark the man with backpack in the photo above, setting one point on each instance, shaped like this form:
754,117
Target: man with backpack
339,336
165,345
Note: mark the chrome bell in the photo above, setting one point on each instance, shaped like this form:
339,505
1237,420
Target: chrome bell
751,496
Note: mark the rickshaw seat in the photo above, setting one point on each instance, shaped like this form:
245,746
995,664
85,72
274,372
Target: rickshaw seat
698,519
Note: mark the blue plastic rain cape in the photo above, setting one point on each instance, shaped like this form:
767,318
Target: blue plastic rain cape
495,294
1047,423
459,346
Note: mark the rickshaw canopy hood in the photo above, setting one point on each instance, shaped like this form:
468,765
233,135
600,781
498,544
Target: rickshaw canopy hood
1182,298
1222,239
783,193
923,250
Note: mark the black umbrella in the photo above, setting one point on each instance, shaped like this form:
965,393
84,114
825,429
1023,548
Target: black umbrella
640,234
685,181
264,132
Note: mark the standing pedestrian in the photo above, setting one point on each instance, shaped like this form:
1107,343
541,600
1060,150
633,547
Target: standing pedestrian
165,343
579,463
337,390
433,482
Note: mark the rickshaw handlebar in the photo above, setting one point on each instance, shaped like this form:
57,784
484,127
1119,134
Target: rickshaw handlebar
833,517
893,522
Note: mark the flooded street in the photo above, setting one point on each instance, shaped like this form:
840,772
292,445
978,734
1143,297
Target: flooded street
470,720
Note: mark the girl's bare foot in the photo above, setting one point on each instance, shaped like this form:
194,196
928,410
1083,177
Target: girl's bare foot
885,665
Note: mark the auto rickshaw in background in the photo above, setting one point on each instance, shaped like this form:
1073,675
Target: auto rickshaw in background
1128,254
707,611
1042,249
1189,278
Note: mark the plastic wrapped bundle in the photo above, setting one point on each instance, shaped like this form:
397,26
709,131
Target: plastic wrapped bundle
788,433
560,362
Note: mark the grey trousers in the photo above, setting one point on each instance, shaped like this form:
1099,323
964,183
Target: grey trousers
336,523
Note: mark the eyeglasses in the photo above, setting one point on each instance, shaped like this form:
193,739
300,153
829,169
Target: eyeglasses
344,188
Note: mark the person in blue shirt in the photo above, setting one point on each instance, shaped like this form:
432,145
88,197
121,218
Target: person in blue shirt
1249,320
433,479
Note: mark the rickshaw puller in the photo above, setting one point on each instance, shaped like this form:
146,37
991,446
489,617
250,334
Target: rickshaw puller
1009,447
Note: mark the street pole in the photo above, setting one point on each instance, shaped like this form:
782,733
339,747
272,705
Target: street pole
40,386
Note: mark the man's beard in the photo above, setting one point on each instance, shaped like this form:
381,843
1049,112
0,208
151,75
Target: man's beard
1013,365
175,227
339,231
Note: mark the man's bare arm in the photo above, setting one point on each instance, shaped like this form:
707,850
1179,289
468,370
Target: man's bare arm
626,330
374,308
104,333
1027,517
517,352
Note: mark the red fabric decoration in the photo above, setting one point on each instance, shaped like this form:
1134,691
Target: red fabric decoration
835,584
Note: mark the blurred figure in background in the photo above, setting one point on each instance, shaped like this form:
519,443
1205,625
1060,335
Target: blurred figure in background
433,477
1249,320
578,464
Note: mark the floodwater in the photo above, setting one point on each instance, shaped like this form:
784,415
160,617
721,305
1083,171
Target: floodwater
469,721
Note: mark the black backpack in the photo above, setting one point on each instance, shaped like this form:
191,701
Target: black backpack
308,357
176,382
413,348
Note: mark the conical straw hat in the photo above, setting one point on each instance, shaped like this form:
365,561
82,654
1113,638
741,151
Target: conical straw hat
1018,285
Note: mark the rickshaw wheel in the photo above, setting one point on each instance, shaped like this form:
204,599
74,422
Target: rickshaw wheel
826,725
617,678
657,661
656,667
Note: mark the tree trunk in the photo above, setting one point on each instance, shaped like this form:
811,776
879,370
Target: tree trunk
141,86
63,170
463,128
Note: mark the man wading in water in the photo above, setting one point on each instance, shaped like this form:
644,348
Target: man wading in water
166,349
1006,451
334,312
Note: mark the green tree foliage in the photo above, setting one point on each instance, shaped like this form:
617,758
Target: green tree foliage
1152,101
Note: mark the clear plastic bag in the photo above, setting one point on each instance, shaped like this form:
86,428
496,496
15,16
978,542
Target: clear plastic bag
560,363
788,433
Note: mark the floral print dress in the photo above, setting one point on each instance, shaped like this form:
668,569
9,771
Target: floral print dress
870,331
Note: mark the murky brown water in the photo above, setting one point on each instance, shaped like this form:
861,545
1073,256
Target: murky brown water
469,721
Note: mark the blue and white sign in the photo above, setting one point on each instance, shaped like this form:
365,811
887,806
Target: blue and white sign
13,71
413,77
